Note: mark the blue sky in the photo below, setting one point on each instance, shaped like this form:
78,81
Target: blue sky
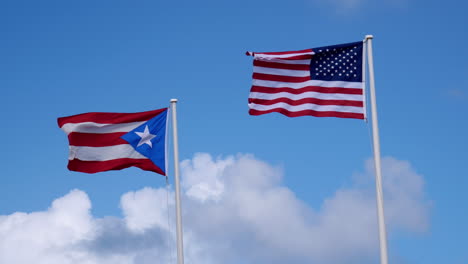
288,179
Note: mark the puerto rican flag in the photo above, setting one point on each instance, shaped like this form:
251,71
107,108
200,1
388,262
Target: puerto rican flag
113,141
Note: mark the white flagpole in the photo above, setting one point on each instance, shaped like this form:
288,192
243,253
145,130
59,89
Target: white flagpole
376,143
180,243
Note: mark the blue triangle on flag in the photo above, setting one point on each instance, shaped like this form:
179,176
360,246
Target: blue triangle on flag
149,139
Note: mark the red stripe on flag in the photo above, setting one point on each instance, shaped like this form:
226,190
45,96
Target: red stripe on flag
306,101
279,78
117,164
109,118
307,113
96,140
277,65
318,89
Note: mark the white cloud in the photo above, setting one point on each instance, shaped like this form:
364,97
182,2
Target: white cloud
39,237
260,219
236,210
149,202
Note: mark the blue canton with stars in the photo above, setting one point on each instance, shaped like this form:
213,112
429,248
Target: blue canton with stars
149,139
337,63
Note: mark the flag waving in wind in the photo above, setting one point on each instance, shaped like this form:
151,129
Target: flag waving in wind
322,82
114,141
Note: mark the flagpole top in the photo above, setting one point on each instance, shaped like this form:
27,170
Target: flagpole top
173,100
368,37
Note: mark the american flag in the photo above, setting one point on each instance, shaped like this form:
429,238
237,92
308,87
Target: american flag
323,82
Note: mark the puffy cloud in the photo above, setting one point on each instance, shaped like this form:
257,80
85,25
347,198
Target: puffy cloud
235,210
151,203
40,237
404,195
257,218
67,233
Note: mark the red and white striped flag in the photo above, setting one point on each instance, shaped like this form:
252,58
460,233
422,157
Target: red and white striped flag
102,141
322,82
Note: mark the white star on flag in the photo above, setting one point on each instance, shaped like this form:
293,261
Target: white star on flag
146,137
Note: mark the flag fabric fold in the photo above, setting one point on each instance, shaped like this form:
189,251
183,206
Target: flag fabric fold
322,82
102,141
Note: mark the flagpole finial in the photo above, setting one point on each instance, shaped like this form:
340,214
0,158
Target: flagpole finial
173,100
368,37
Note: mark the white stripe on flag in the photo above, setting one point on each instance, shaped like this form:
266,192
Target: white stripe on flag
323,96
104,153
98,128
330,84
308,106
305,62
282,72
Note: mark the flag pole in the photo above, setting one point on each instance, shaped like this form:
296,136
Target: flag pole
376,143
180,243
